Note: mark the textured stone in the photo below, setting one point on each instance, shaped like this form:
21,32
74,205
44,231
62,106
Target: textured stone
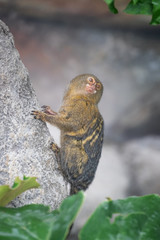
24,141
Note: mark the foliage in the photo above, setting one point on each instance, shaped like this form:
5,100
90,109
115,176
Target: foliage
126,219
37,222
147,7
7,194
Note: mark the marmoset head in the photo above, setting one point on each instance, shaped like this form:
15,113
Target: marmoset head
86,84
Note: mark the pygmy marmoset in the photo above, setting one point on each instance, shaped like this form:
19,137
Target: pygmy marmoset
81,126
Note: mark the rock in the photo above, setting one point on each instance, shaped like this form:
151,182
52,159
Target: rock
24,141
142,158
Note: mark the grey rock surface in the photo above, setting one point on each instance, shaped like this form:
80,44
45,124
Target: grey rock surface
24,141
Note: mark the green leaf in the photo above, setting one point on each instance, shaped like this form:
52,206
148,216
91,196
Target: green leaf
28,223
66,215
146,7
135,1
139,7
128,219
156,12
111,6
37,222
8,193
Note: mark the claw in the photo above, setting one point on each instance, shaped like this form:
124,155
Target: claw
33,112
36,114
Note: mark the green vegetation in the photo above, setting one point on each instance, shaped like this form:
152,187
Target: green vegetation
126,219
37,222
8,193
147,7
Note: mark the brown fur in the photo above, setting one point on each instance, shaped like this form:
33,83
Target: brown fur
81,127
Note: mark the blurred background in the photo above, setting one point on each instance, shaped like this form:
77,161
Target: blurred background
58,40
